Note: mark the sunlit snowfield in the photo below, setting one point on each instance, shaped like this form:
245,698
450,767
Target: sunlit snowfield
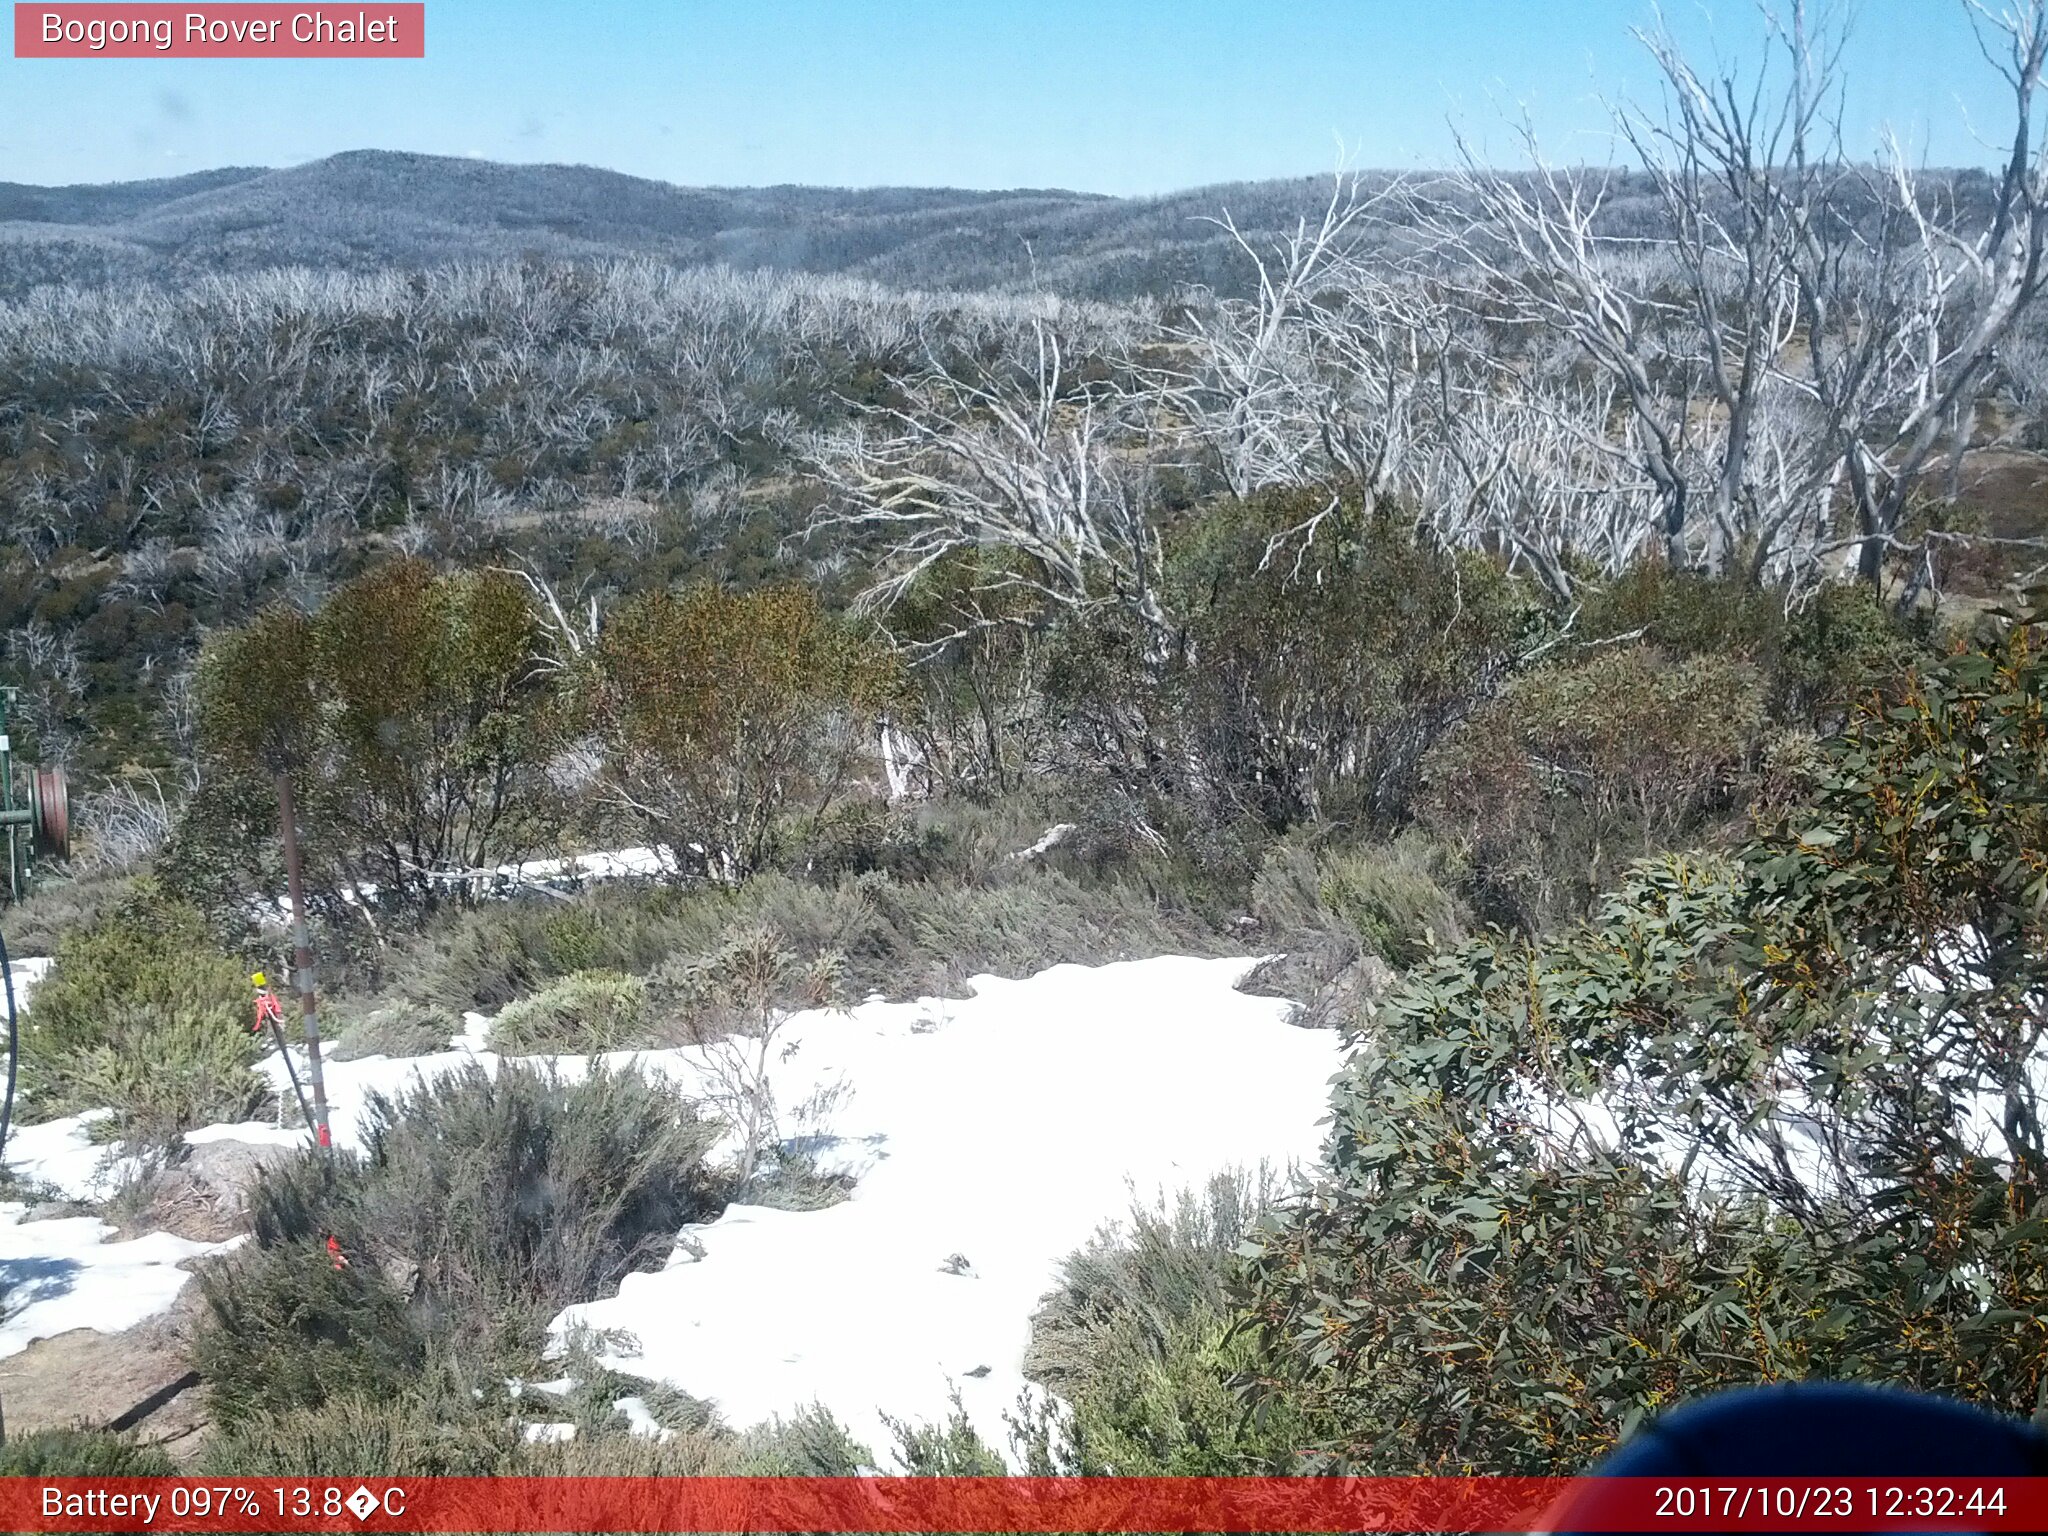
989,1137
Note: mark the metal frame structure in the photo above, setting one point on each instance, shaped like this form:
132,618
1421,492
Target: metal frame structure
38,824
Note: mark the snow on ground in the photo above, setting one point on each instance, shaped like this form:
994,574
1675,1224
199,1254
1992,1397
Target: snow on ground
59,1275
24,974
63,1274
504,879
1004,1130
990,1138
640,1420
61,1155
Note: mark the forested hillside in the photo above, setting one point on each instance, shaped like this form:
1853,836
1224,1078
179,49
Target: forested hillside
373,210
370,210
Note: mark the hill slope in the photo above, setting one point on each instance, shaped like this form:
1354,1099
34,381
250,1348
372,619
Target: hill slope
371,208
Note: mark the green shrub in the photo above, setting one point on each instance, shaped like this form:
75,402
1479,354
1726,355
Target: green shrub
982,911
1318,959
488,957
81,1453
974,841
951,1448
400,1028
1134,1279
1843,643
857,837
1812,662
287,1329
403,1432
479,1208
1685,613
1323,670
408,692
142,1014
1027,922
1580,766
587,1012
574,938
59,906
909,938
1814,1152
810,1443
499,1200
591,1405
165,1072
720,709
1137,1338
1392,896
620,1453
847,918
752,981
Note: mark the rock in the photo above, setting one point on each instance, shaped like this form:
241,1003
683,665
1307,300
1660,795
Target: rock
956,1264
204,1195
1333,985
1346,996
403,1275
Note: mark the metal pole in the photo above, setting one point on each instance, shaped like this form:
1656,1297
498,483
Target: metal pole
302,957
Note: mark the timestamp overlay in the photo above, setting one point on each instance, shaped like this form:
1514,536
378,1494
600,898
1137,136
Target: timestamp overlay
1024,1504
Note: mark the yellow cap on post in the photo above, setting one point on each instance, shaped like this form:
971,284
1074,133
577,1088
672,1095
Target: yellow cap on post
260,979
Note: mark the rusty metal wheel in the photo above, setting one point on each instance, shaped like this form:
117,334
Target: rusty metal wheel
50,800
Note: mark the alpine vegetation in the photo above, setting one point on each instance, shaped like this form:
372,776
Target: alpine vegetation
1377,825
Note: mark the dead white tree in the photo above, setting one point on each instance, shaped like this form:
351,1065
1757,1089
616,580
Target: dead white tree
1524,468
1020,464
1242,395
1325,377
1530,244
1797,329
1912,368
569,630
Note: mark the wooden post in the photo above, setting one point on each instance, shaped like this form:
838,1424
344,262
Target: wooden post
302,957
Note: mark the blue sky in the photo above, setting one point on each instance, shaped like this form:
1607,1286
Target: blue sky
1121,96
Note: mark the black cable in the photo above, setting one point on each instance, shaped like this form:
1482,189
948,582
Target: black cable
13,1050
7,1104
277,1034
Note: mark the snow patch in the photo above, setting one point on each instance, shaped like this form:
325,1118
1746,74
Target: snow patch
1005,1136
990,1138
640,1421
63,1274
61,1155
25,974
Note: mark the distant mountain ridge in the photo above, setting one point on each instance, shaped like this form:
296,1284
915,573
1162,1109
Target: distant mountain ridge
375,208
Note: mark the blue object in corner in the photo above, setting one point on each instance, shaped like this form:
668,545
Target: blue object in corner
1825,1429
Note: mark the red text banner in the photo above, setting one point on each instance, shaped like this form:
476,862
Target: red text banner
1023,1504
235,31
